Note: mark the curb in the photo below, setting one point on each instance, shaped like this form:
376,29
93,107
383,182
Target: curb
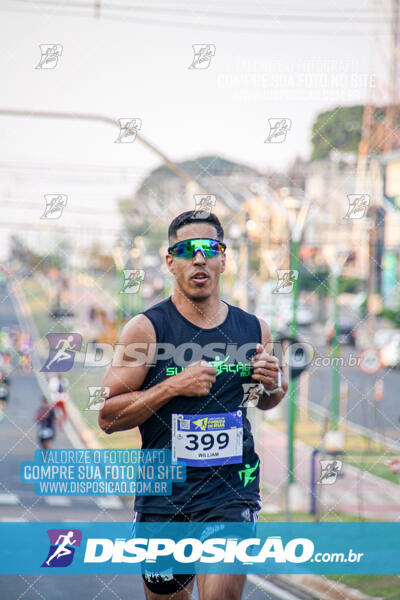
74,417
78,423
324,588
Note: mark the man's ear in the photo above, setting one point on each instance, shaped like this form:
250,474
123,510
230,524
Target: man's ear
170,263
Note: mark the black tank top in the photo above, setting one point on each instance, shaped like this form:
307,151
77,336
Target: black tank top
211,434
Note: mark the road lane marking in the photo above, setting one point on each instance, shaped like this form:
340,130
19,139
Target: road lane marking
109,502
9,499
57,500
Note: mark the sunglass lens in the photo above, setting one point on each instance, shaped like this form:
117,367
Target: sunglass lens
187,249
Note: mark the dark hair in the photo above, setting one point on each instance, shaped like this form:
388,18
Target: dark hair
192,216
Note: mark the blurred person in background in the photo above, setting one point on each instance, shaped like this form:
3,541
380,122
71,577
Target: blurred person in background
59,396
4,392
25,350
5,363
394,466
45,419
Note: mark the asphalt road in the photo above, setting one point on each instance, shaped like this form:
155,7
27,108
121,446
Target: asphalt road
362,409
18,502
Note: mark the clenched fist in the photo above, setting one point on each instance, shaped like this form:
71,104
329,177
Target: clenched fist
196,380
265,368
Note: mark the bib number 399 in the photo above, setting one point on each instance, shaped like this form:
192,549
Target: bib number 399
207,440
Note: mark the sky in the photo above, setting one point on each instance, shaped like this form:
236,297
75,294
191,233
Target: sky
272,60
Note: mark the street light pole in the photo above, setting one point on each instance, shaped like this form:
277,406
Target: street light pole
335,351
294,266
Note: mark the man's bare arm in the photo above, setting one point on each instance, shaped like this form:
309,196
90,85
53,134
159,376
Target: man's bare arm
127,406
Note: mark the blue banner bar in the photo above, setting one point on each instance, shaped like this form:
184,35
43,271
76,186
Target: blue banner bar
40,548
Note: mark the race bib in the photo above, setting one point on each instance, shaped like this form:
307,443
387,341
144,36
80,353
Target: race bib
207,440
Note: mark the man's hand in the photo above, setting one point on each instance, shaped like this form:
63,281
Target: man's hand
265,368
196,380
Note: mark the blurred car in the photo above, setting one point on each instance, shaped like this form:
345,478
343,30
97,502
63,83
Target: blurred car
281,316
277,320
346,333
305,315
382,337
390,353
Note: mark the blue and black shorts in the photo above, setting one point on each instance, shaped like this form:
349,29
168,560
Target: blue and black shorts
168,582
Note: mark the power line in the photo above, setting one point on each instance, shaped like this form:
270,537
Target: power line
208,26
40,207
125,170
213,13
56,228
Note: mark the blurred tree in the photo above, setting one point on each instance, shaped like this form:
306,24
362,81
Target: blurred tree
340,129
317,281
336,129
19,251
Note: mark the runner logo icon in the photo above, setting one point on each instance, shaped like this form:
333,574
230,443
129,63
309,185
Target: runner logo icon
62,547
62,351
246,474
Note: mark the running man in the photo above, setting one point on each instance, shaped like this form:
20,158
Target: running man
161,397
62,549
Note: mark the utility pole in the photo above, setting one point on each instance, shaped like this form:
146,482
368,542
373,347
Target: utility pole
393,108
379,132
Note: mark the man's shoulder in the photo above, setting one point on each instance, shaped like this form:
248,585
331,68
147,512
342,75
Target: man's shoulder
161,306
146,322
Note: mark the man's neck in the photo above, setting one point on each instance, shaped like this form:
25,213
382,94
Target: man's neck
206,313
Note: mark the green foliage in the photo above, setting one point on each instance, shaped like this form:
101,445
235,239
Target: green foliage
383,586
391,315
336,129
318,281
351,285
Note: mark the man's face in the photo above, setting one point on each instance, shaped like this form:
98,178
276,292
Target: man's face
198,277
